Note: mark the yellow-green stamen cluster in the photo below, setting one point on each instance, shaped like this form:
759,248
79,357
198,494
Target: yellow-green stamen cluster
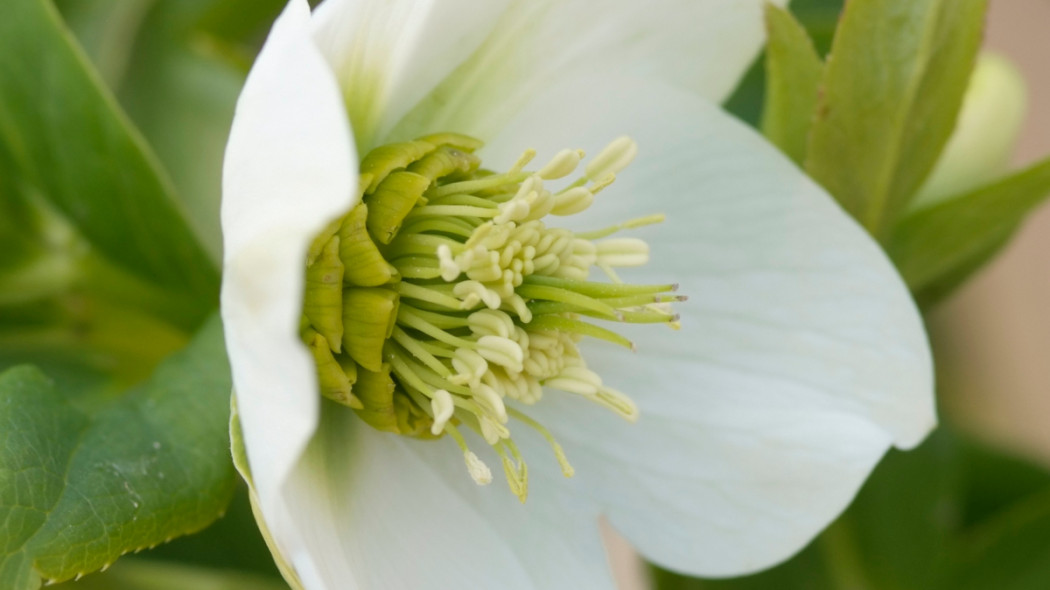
442,300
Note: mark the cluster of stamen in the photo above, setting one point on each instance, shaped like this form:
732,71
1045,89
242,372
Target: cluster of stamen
442,301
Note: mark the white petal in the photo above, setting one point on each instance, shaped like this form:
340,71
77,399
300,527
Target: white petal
378,511
490,57
388,54
801,358
289,169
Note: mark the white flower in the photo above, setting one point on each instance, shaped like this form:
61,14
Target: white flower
800,362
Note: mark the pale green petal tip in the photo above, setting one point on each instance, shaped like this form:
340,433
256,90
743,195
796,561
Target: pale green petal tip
986,133
240,461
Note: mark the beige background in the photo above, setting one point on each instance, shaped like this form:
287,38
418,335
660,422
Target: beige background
993,336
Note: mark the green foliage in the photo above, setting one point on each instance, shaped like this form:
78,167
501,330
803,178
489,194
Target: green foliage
938,247
889,98
138,574
793,74
63,139
819,18
79,488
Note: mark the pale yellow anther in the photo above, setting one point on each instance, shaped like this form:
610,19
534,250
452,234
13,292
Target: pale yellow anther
561,165
491,430
479,472
470,367
492,400
472,292
442,406
618,402
501,351
579,380
449,269
572,201
514,210
612,159
620,252
491,322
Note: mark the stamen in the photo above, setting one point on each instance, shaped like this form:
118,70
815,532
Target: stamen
443,299
479,472
516,471
561,165
566,468
613,159
441,403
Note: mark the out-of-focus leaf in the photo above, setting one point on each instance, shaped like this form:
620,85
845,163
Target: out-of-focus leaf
793,74
985,136
62,133
78,489
890,95
234,541
938,247
106,30
140,574
1010,552
179,85
240,22
819,18
806,571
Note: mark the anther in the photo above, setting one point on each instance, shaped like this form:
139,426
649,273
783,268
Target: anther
612,159
561,165
441,404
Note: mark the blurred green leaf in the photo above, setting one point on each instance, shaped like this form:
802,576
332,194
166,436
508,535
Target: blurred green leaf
140,574
819,18
234,541
938,247
106,30
890,96
80,488
1010,552
241,24
62,133
178,84
793,74
181,91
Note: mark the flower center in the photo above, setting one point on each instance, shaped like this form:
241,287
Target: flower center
442,301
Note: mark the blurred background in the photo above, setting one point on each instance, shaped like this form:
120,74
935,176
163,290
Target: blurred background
995,332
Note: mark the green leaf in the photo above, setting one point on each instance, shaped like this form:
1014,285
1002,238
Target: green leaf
79,487
793,74
182,95
939,247
241,23
892,90
1010,552
62,133
140,574
106,30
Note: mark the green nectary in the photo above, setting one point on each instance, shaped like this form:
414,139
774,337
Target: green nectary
442,300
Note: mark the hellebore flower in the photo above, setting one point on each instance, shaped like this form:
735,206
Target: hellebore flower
799,362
